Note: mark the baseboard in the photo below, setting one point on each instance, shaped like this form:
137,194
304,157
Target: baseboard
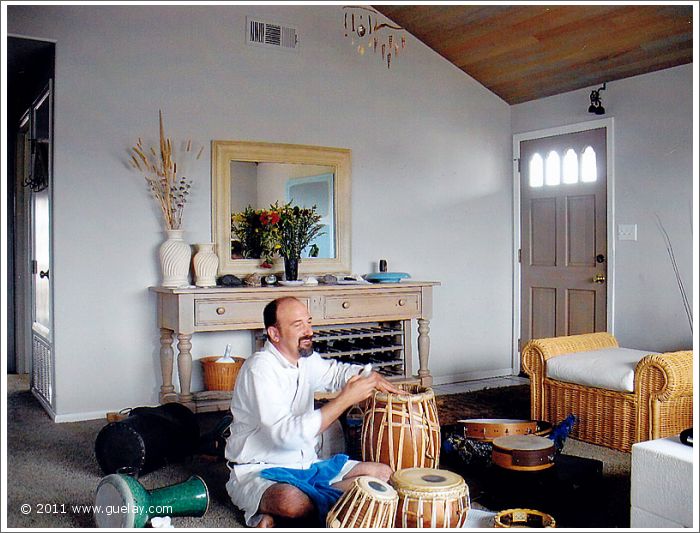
470,376
81,417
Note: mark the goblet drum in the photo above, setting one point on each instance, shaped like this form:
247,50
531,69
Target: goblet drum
429,497
523,452
121,501
402,430
369,503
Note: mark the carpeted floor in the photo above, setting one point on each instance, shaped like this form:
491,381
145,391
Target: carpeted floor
52,469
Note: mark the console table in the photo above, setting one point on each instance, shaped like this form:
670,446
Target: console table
188,310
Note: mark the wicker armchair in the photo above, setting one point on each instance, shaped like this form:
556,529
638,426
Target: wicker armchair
660,406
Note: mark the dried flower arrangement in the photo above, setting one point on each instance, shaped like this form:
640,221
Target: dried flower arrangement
161,173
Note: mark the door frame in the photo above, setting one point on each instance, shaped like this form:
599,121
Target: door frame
608,124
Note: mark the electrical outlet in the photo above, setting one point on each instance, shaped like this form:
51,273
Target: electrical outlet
627,232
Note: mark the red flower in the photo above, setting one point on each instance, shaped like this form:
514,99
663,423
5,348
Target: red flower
269,218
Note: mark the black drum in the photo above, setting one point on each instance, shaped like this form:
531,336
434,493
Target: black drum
148,438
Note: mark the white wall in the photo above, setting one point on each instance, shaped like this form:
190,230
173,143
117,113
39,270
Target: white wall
653,175
431,175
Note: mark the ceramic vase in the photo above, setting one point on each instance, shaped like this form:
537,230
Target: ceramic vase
175,255
291,268
206,265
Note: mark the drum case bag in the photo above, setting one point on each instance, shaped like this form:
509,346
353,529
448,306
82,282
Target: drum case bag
148,438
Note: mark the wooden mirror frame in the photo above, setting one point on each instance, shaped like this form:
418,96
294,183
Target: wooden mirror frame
223,152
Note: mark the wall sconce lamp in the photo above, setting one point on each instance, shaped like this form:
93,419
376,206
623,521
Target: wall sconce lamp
596,103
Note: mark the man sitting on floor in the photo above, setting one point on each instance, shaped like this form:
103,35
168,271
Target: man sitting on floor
275,423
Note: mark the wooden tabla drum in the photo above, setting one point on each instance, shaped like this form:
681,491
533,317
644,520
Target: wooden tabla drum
523,452
402,430
368,503
523,518
429,497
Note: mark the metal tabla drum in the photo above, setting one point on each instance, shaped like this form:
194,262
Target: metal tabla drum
402,430
429,497
523,518
523,452
121,501
368,503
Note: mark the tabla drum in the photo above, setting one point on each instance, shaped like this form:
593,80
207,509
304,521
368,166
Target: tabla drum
523,518
368,503
121,501
402,430
523,452
429,497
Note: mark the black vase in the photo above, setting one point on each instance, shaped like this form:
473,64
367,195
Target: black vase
291,268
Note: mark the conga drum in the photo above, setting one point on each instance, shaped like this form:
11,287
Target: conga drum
368,503
402,430
523,452
121,501
429,497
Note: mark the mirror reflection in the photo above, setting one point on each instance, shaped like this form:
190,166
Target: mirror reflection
250,176
258,185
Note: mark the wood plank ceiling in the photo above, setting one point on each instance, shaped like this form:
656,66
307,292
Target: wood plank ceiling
524,52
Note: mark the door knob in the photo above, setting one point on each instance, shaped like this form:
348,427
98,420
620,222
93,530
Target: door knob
599,278
44,274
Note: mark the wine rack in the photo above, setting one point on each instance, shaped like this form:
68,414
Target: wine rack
381,344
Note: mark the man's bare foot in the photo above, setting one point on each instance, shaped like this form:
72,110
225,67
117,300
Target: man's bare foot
266,521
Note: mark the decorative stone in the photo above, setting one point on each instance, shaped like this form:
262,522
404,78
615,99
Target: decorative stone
253,280
229,280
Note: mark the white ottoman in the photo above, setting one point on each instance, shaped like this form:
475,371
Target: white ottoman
662,484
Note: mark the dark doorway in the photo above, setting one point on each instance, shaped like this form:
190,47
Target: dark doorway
30,68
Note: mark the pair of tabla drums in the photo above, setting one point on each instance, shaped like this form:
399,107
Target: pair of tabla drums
510,443
413,498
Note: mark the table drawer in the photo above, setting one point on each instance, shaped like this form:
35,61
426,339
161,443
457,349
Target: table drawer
218,312
372,306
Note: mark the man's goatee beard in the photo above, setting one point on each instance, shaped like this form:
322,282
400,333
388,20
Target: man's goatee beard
305,352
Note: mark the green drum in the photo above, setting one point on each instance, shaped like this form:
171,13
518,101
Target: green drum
121,501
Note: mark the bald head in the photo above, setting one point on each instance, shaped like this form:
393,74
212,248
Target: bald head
288,325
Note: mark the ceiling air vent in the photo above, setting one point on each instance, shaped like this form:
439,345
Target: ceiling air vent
271,35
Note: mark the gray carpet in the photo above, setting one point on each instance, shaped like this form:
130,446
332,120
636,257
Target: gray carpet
55,464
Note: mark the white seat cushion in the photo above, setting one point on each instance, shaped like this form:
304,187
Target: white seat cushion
610,368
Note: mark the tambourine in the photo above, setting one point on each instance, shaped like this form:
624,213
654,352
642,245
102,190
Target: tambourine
523,518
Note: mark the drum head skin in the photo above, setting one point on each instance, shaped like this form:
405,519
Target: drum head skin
115,502
426,479
523,442
377,488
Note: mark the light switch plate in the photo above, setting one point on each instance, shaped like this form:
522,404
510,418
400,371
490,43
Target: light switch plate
627,232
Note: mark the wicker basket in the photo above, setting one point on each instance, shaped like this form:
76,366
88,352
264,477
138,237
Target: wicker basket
220,376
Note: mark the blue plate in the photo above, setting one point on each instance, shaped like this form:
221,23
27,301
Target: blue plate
386,277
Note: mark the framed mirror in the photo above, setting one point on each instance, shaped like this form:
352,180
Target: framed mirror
258,174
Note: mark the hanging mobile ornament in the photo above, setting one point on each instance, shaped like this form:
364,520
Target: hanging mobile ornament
383,50
403,41
374,45
388,60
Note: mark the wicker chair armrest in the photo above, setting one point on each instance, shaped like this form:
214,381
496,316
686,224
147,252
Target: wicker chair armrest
537,351
666,375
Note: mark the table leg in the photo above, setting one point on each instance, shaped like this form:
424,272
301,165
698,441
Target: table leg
424,352
167,390
184,366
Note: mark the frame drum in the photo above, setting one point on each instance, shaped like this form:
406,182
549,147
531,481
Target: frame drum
523,452
429,497
368,503
402,430
487,429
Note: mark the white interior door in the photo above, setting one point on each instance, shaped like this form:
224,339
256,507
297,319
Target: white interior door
39,181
